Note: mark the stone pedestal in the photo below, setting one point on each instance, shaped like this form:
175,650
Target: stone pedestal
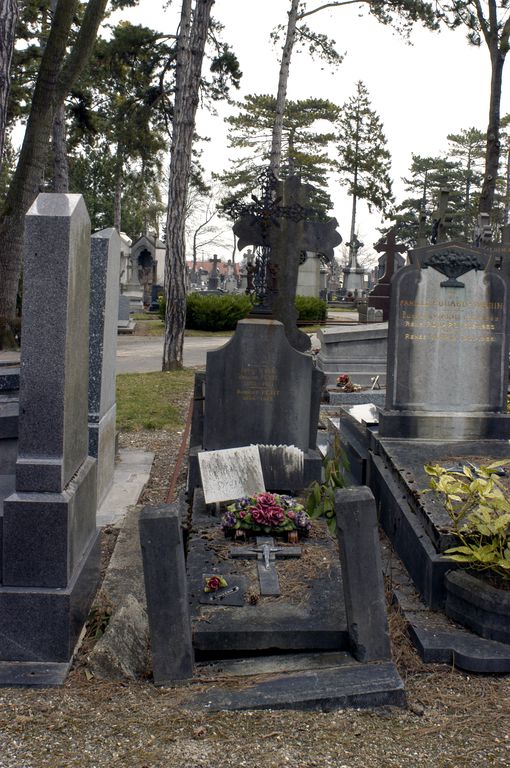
104,301
50,563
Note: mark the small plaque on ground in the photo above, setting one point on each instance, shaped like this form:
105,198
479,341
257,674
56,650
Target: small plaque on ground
232,594
231,473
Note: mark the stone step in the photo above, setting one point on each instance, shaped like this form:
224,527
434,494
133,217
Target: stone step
9,412
346,684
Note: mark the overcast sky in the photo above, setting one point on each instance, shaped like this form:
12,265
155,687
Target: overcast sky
438,85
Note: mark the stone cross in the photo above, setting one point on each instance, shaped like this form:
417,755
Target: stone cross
440,218
212,282
266,553
389,247
354,247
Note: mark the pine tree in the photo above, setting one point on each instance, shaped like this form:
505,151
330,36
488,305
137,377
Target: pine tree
364,160
413,216
304,146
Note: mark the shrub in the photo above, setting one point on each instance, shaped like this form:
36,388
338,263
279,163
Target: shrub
216,313
221,313
311,310
479,509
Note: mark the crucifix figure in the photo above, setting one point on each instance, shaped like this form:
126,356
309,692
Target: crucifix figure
266,553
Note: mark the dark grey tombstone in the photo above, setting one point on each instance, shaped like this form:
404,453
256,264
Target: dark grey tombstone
362,574
50,562
104,300
258,390
380,296
124,309
167,593
448,343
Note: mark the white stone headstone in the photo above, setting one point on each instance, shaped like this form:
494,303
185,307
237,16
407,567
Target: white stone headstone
231,473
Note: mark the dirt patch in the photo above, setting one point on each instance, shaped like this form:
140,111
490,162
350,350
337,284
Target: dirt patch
454,720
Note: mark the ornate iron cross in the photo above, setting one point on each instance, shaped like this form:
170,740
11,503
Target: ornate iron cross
255,224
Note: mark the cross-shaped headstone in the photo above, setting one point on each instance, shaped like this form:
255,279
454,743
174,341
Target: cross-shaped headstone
213,278
380,296
390,248
354,247
281,226
440,218
266,553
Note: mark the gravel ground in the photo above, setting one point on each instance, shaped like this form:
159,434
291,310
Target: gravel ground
452,720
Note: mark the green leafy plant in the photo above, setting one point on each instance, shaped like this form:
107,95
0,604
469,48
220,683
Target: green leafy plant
311,309
479,509
320,497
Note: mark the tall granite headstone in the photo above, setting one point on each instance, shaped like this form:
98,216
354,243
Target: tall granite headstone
104,301
448,344
50,563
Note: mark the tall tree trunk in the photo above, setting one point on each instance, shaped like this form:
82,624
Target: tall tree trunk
190,52
119,179
8,21
59,148
275,158
493,144
52,85
58,142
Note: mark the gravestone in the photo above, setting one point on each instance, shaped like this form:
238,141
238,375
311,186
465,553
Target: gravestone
213,281
380,296
260,390
124,323
448,347
50,563
357,350
104,299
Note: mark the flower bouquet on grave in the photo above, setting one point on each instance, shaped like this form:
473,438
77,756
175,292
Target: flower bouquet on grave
346,385
267,514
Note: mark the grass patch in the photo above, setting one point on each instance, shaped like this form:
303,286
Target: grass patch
145,400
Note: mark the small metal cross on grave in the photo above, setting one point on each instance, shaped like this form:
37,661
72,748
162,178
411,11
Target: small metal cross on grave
266,553
389,247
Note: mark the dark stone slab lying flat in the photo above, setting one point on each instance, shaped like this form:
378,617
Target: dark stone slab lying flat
443,642
308,615
438,639
350,685
33,674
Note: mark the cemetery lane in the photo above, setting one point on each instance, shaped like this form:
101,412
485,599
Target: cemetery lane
141,354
